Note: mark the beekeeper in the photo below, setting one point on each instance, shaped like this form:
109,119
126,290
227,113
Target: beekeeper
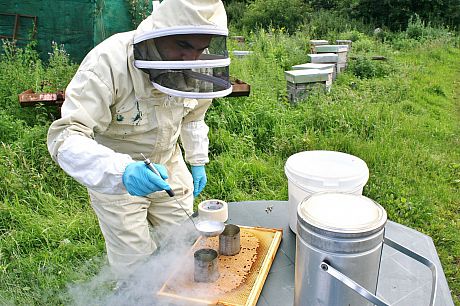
139,92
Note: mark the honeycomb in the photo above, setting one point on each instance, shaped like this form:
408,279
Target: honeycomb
241,276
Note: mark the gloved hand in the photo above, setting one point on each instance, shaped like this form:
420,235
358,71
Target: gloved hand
199,179
139,180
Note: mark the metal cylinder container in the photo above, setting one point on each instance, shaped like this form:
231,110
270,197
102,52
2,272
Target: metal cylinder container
206,266
229,240
345,231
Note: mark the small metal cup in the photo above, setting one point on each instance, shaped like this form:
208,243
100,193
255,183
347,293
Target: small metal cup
229,240
206,266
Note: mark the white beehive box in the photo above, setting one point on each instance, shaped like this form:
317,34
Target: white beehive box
329,68
317,42
347,42
314,66
340,50
241,53
344,42
300,83
331,48
323,58
299,92
306,76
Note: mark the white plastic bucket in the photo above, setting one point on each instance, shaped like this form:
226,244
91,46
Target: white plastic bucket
310,172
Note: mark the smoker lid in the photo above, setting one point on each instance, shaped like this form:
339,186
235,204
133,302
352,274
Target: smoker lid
342,213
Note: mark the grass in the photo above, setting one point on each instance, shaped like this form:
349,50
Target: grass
400,116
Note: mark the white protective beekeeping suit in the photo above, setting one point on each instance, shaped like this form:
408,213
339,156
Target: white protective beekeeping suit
112,113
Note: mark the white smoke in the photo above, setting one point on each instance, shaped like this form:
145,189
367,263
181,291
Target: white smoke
142,286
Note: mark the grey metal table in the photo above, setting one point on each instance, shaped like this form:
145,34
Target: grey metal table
402,280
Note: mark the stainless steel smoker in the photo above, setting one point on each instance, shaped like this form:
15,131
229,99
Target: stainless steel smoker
338,251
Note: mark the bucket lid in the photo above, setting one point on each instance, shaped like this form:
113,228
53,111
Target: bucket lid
328,170
342,213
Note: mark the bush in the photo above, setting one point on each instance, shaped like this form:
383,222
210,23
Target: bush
329,25
365,45
235,10
418,29
60,69
288,15
139,10
353,35
366,68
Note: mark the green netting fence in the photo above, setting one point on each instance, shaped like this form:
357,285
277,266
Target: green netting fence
79,25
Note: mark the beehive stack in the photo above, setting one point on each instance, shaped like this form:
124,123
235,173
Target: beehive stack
322,56
340,50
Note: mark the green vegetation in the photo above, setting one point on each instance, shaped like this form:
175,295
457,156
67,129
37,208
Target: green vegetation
401,116
139,10
384,14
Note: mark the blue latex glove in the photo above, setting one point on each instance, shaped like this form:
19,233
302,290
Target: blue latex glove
139,180
199,179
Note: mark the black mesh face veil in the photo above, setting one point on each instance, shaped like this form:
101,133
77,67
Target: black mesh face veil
174,71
